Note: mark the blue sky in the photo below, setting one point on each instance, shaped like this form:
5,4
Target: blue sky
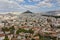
32,5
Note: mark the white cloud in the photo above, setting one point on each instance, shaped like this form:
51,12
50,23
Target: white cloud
20,0
12,0
13,5
39,0
3,0
58,1
17,0
48,0
34,0
10,6
45,3
30,7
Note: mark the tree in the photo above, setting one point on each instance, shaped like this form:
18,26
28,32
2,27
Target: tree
21,30
5,21
25,31
12,29
6,38
32,39
31,31
5,29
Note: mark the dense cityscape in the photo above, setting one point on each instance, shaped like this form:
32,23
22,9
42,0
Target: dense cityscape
29,26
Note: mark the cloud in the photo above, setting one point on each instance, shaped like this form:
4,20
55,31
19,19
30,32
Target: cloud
58,2
10,6
30,7
39,0
34,0
47,0
14,5
45,3
21,0
42,3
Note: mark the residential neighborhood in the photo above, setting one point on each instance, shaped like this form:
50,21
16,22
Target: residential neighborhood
29,26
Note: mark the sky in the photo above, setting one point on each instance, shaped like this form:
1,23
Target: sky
32,5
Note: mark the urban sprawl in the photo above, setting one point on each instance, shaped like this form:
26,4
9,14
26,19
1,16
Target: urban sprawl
29,26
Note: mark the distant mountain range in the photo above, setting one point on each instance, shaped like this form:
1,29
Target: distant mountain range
49,13
52,13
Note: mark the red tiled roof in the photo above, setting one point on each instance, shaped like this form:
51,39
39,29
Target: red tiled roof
2,35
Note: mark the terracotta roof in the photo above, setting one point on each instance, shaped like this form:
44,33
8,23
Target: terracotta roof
1,35
14,38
